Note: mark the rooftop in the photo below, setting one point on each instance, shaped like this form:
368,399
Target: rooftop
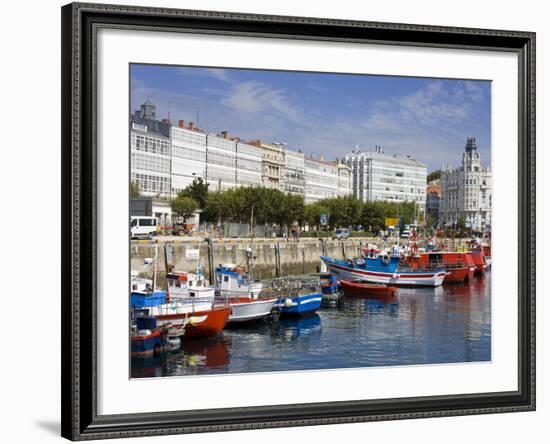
387,157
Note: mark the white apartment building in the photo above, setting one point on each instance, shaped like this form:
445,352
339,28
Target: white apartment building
466,191
293,179
221,162
388,177
188,156
166,159
249,165
321,180
344,179
149,160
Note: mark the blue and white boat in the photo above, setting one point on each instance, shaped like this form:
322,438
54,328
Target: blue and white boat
300,305
383,269
147,339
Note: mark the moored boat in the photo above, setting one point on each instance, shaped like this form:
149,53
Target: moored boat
245,309
300,305
480,262
236,288
236,281
196,324
299,296
147,339
189,312
329,284
359,288
459,266
384,270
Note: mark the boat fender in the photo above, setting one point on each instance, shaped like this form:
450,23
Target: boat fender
288,302
386,259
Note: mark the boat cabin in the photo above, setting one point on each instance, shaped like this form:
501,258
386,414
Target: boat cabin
236,281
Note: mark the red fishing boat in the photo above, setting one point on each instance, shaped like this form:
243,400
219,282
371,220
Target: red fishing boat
196,324
458,266
480,261
358,288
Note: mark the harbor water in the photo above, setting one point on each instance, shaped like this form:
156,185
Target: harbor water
446,324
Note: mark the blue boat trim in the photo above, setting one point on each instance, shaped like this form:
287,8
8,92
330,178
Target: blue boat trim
301,305
142,300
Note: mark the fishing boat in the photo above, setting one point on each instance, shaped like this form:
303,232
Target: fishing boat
330,290
480,260
189,289
384,269
458,266
147,339
191,308
487,253
329,284
359,288
236,288
237,281
298,297
300,305
195,324
188,309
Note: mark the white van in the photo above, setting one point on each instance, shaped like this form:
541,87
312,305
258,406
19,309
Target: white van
143,226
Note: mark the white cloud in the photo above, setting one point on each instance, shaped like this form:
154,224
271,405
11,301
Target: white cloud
220,74
257,97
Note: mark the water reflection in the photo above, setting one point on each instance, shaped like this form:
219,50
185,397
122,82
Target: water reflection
292,329
447,324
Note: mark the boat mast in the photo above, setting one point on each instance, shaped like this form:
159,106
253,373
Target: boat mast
155,268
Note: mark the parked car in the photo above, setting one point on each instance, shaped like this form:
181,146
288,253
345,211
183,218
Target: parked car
143,226
341,233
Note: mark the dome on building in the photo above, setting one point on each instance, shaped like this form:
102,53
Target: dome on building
148,110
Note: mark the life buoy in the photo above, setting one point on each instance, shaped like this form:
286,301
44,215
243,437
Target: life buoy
385,259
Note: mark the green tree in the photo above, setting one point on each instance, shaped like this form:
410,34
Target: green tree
197,190
135,190
216,208
313,211
291,210
434,175
373,215
342,211
184,206
351,211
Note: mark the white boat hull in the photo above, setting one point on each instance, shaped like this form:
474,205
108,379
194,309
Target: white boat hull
429,279
251,310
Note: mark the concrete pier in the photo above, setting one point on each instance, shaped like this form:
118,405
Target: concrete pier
273,257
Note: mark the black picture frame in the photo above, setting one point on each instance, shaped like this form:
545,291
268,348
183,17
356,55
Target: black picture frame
80,22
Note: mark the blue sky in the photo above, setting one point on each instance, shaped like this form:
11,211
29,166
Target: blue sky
330,114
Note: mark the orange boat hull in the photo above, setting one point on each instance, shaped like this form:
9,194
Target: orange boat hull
208,323
458,274
479,261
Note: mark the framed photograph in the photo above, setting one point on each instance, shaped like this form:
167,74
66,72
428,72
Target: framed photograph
281,221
